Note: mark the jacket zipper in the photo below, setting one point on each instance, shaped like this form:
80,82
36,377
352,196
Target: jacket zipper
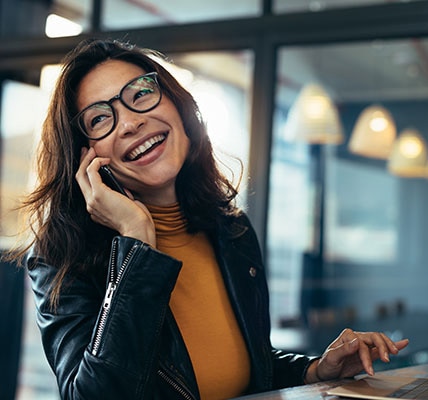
114,279
185,393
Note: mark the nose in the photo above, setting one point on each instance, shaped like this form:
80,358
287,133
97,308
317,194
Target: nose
128,121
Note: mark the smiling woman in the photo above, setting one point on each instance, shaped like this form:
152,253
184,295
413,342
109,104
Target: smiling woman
233,133
159,294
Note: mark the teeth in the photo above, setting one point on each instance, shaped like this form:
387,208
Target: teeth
145,146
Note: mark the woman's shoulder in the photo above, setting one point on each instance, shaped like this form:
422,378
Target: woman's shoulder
235,224
238,233
44,274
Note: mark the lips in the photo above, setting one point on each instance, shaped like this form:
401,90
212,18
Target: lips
145,147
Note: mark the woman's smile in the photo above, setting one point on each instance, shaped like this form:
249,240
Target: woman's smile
146,147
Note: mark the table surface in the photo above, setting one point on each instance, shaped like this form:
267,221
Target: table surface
317,391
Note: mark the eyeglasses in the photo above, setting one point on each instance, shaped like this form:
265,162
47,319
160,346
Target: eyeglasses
99,119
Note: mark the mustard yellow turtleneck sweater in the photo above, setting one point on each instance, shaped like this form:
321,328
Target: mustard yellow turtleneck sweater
202,309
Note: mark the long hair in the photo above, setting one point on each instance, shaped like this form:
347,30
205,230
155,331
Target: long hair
62,231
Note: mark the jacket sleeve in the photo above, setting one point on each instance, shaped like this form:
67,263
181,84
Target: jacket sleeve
124,364
289,369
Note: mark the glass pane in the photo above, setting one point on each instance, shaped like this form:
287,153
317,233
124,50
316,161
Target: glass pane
22,111
284,6
221,83
36,379
139,14
18,99
373,249
360,216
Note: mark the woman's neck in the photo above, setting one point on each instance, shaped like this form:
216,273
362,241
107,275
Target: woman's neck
161,198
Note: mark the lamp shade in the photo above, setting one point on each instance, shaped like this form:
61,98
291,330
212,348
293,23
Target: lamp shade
374,133
409,155
313,118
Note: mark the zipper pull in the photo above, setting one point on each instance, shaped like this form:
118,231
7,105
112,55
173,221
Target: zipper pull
109,295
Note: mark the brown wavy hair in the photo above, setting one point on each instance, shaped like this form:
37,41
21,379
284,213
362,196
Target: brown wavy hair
62,232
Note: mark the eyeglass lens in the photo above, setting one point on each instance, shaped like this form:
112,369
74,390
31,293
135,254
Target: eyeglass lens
140,95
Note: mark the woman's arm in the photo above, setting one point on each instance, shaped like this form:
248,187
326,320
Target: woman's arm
120,359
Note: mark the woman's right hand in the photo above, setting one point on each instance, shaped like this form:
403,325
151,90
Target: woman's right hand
123,214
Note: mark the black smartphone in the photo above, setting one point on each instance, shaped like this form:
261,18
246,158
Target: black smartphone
110,180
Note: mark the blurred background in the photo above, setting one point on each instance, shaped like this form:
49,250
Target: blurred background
326,104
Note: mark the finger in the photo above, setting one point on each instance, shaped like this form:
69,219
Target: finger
363,344
129,194
87,174
83,152
95,164
392,348
92,171
86,157
401,344
366,357
372,340
384,346
382,343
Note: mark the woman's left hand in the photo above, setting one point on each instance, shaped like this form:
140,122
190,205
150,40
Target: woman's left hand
351,353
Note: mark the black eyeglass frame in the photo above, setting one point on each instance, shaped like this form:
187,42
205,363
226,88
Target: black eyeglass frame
76,120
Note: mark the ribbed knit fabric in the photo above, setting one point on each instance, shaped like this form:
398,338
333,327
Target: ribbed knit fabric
202,309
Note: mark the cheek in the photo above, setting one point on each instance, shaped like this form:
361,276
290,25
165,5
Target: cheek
183,144
186,146
103,148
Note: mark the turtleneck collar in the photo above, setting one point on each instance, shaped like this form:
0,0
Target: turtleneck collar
168,220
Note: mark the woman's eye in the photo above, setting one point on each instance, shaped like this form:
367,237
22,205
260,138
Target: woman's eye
141,93
97,116
97,120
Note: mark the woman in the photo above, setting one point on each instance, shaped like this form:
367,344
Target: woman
184,312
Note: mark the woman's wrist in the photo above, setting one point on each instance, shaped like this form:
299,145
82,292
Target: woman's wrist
312,373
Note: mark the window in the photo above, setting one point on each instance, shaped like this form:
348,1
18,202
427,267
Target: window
370,225
283,6
23,107
138,14
221,84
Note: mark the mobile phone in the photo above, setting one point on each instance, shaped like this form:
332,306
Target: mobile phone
110,180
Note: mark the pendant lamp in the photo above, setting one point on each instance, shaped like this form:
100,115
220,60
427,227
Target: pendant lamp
313,118
408,158
374,133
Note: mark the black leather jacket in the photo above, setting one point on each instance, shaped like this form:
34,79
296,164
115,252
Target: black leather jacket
124,343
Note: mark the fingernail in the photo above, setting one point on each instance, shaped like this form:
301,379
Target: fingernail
386,356
353,342
371,371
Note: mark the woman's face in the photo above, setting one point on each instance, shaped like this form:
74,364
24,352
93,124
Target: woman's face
146,150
